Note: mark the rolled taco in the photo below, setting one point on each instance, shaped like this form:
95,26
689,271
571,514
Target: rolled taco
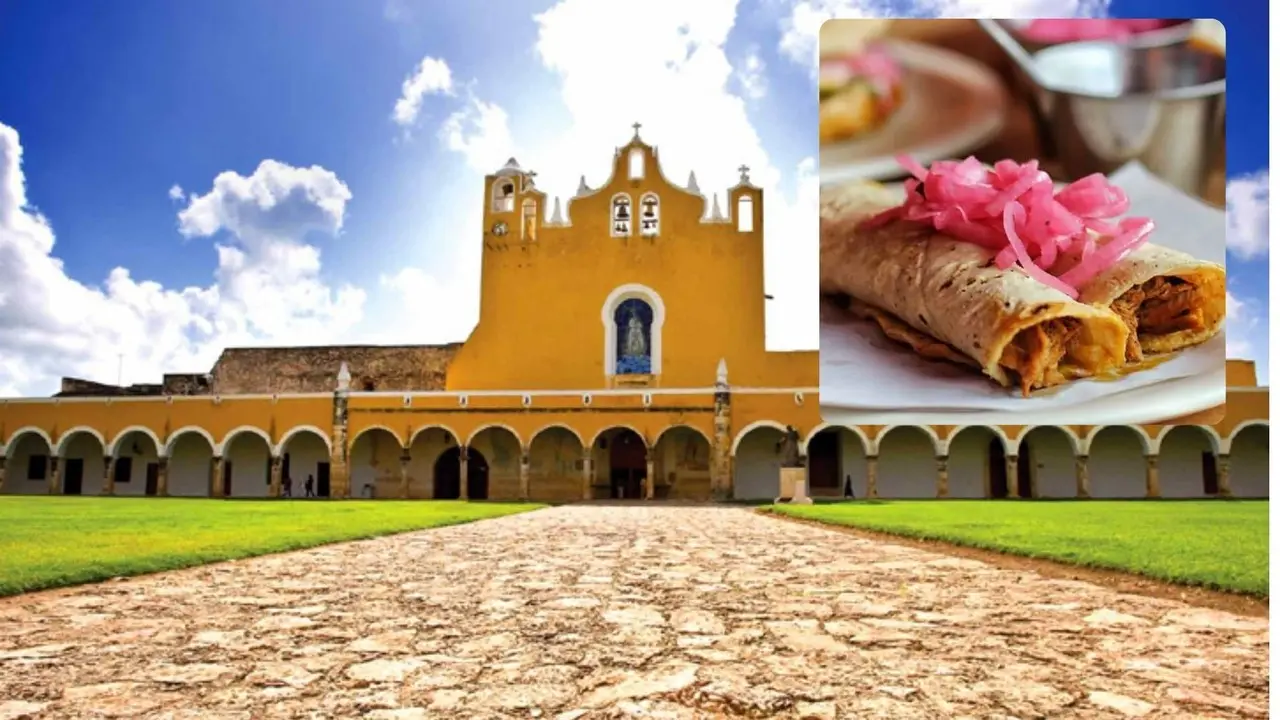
946,299
1167,299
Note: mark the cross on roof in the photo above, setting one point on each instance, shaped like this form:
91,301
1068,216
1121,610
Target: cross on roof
636,127
743,169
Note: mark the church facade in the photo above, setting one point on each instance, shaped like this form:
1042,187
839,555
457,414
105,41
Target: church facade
639,308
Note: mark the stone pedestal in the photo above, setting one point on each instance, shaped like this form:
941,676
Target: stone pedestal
792,486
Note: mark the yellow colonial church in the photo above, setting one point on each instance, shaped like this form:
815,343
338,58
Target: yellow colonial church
639,307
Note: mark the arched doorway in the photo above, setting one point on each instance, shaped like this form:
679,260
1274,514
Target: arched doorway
1047,463
1117,463
757,463
1188,463
837,463
28,467
82,462
448,475
246,464
976,463
136,470
190,462
627,456
1250,460
908,464
682,464
500,447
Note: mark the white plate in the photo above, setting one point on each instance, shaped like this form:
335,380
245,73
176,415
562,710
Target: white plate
950,105
894,386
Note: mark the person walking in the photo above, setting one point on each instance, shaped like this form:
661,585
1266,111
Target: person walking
309,486
288,486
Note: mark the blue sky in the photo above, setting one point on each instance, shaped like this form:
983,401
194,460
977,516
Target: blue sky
308,214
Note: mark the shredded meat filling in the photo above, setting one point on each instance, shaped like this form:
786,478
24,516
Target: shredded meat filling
1036,355
1159,306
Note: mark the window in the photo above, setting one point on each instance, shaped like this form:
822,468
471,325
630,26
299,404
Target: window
529,220
636,164
649,214
621,226
633,323
746,214
38,467
504,196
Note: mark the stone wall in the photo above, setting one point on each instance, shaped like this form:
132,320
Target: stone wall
75,387
186,384
315,369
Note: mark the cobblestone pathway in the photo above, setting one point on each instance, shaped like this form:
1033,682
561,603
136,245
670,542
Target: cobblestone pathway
622,611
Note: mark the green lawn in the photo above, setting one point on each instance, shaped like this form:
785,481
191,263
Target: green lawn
1211,543
53,541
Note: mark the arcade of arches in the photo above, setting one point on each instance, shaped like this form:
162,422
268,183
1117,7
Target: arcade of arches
560,465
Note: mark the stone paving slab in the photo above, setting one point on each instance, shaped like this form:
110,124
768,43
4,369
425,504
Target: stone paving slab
621,611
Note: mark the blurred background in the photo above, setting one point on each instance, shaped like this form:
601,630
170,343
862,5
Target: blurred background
1170,110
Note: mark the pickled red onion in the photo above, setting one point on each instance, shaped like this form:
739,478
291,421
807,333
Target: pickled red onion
1013,209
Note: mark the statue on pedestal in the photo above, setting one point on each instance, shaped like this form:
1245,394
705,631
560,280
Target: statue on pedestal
789,448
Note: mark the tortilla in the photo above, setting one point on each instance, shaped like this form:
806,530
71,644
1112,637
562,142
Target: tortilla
946,299
1167,299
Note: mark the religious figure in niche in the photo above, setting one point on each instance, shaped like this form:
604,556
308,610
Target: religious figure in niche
789,448
633,320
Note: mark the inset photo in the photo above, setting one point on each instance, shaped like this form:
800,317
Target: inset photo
1023,222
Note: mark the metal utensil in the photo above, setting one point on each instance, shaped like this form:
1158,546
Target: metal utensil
1105,104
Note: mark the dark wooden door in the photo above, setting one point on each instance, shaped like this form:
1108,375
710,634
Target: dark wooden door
1024,474
997,472
477,475
73,476
226,478
824,462
1209,470
153,478
627,465
322,479
123,472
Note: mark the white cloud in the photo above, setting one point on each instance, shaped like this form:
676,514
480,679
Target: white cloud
480,131
431,77
1242,327
751,75
176,192
266,288
1248,219
799,40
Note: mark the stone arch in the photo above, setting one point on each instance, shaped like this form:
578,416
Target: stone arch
757,460
556,454
496,426
190,461
447,474
1235,432
238,431
352,442
737,440
976,460
682,463
502,449
426,445
189,430
926,429
995,430
457,439
247,452
504,195
1046,464
907,465
839,462
1250,456
620,294
676,426
1118,461
1210,433
24,476
1076,447
855,429
1097,430
155,439
300,429
61,447
1187,461
602,432
17,435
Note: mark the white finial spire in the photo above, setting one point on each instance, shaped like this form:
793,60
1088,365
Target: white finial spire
583,188
722,373
555,213
344,377
716,214
693,184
